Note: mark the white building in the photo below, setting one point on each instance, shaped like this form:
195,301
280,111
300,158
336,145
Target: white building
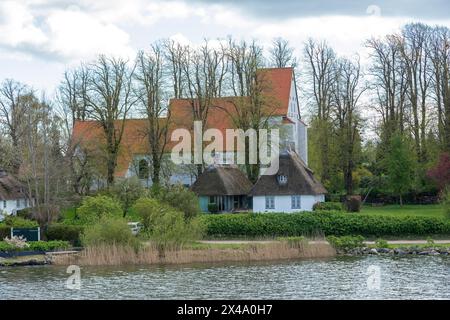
292,189
13,195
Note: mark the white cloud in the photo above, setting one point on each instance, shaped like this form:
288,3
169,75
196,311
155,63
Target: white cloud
76,35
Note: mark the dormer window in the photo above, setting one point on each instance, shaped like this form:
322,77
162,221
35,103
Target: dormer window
282,179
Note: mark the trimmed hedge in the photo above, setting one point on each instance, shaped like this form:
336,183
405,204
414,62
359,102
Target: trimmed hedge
64,232
327,223
328,206
36,246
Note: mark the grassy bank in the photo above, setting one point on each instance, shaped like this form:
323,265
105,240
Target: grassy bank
431,210
196,253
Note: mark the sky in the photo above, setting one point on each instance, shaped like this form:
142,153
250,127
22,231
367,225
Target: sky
39,39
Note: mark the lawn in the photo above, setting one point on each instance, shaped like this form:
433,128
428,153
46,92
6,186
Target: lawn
432,210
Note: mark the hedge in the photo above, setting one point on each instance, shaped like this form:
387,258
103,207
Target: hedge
327,223
64,232
36,246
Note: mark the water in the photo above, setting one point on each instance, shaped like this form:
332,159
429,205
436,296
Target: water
337,278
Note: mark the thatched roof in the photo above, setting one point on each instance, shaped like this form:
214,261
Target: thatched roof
10,187
222,180
300,179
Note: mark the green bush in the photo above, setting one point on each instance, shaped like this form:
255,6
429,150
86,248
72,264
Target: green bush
36,246
327,206
181,199
127,191
17,222
149,209
64,232
327,223
171,230
95,208
109,231
346,242
380,243
446,202
213,208
166,226
5,231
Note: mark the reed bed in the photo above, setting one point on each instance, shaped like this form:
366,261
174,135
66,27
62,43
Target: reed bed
122,255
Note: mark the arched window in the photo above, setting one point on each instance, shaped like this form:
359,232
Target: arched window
143,171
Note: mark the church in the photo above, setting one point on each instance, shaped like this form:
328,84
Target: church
280,92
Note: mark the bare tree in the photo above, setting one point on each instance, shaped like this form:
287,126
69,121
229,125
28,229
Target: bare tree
413,45
282,54
108,100
346,94
203,69
320,59
150,82
12,116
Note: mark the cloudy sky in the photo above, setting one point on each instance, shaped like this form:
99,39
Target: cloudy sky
39,39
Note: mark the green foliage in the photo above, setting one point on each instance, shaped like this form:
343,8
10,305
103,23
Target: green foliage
95,208
109,231
328,223
399,164
5,231
148,209
181,199
36,246
446,202
166,226
171,230
346,242
127,191
17,222
380,243
327,206
213,208
64,232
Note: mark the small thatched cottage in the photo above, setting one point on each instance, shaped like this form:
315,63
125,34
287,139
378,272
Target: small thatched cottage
13,194
225,186
293,188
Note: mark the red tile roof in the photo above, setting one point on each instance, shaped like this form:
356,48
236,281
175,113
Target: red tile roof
277,86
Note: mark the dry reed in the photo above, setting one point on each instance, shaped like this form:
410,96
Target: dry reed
122,255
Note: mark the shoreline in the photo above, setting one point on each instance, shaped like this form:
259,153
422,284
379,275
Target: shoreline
223,251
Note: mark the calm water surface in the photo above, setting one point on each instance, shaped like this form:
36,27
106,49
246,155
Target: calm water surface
338,278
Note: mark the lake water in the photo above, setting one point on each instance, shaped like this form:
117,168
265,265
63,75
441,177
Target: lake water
337,278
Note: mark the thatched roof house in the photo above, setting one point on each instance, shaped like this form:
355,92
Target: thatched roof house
13,194
293,188
225,186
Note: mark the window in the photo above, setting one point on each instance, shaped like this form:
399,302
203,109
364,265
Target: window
143,171
270,202
282,179
4,204
18,203
296,202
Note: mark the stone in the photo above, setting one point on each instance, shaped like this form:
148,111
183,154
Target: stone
399,251
373,251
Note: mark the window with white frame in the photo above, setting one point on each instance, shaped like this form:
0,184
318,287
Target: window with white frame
270,202
296,202
18,203
4,204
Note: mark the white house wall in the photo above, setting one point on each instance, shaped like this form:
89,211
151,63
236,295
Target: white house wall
11,205
283,203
